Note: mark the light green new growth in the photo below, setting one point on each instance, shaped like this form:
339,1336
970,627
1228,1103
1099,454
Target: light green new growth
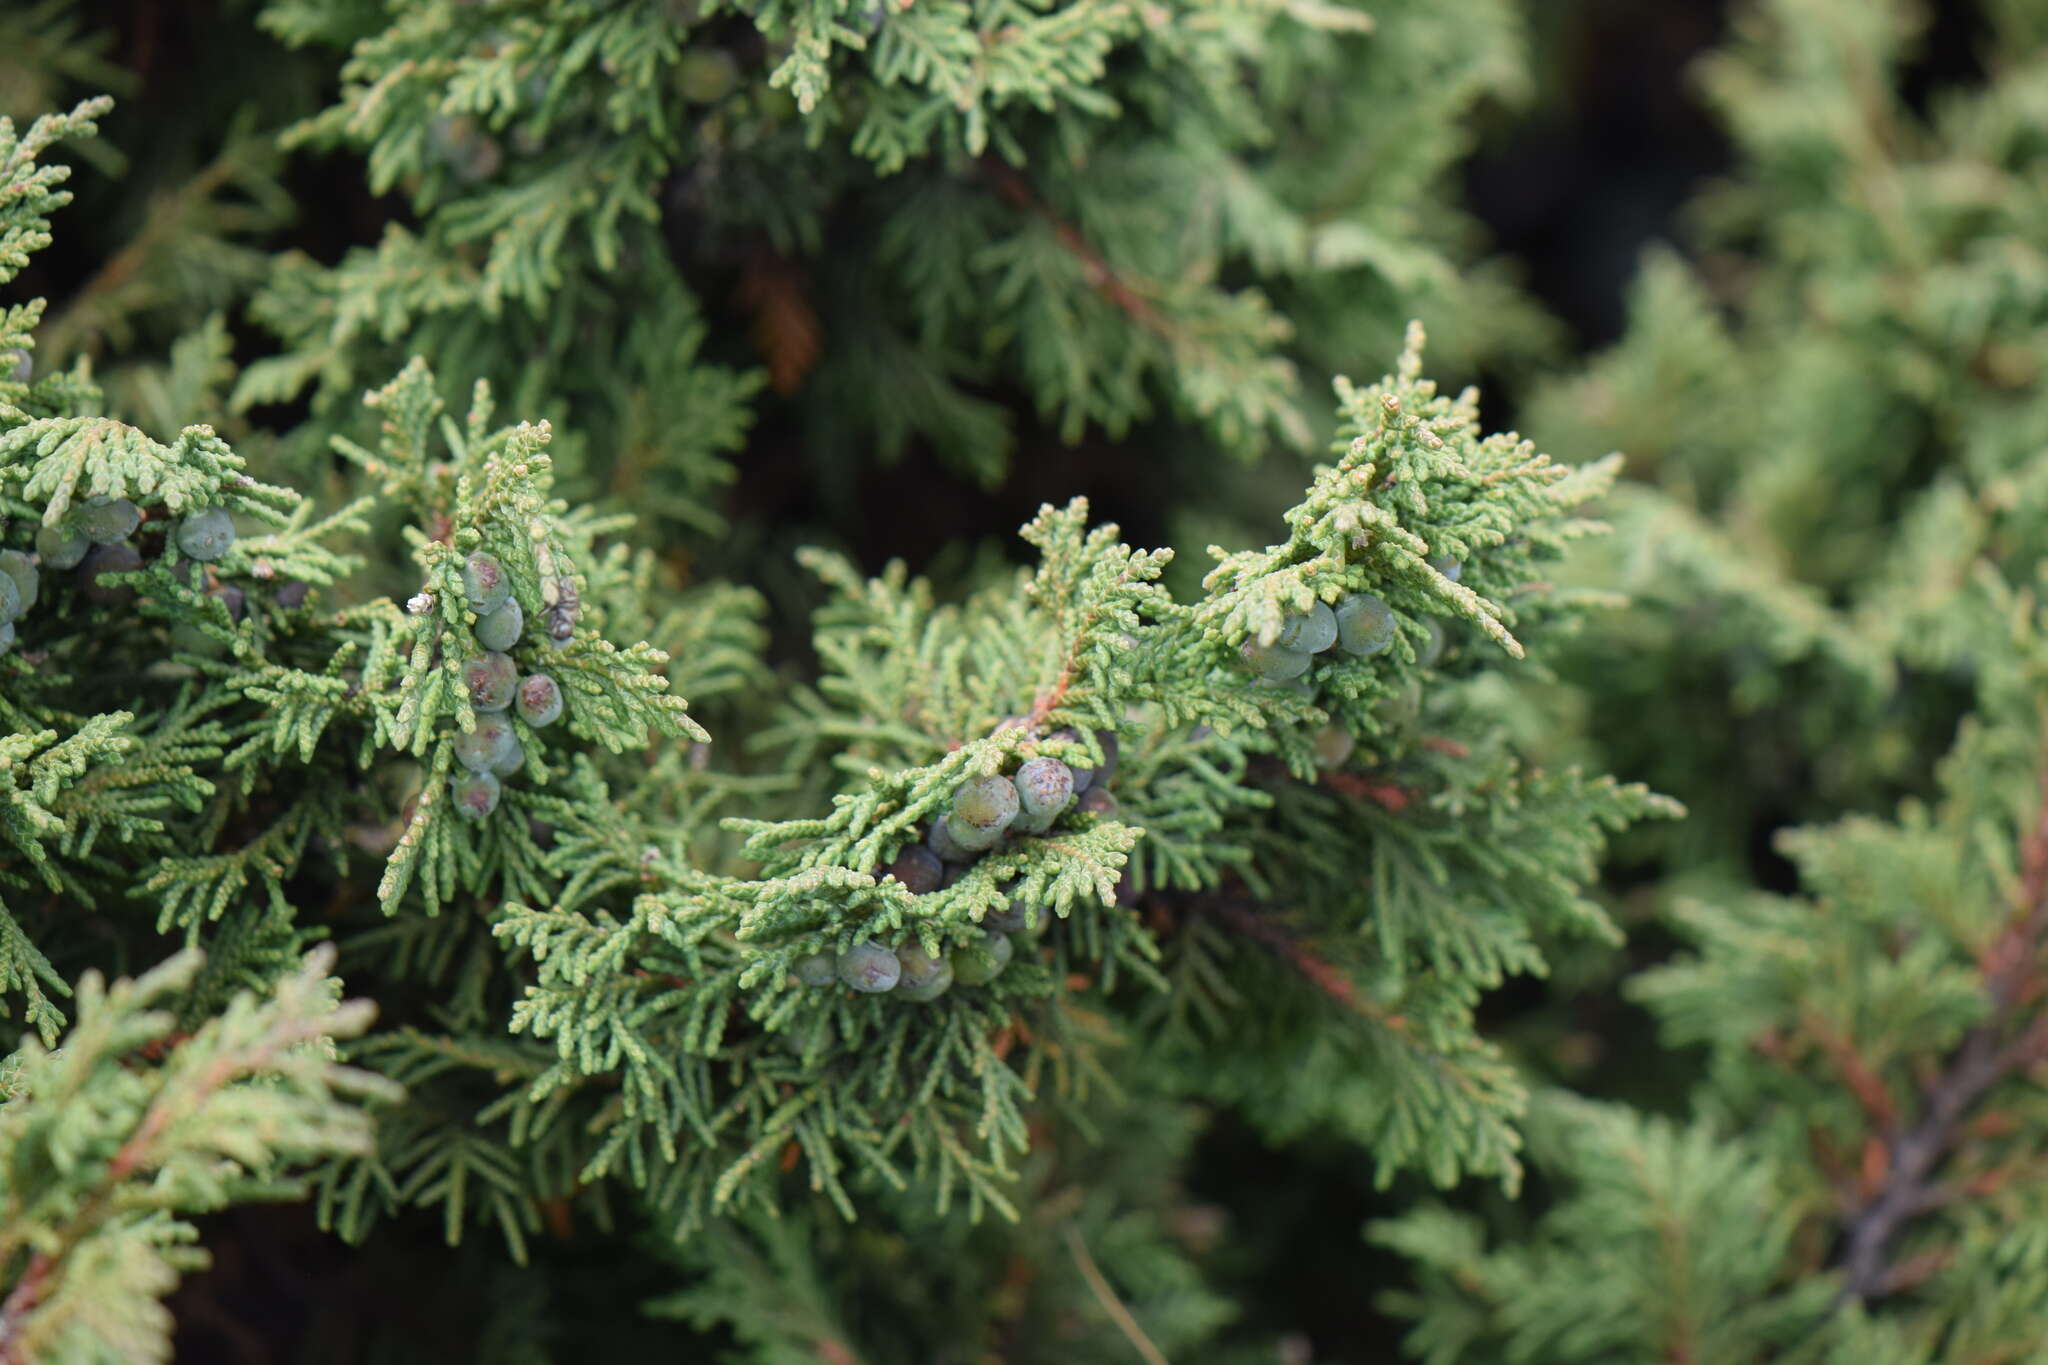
114,1141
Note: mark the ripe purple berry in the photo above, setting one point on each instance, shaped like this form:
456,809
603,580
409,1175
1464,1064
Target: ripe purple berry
233,598
102,560
1098,801
1082,776
1016,918
1110,750
919,869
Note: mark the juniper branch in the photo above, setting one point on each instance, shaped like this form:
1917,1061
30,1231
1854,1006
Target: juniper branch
1106,1296
1254,921
1017,192
1986,1056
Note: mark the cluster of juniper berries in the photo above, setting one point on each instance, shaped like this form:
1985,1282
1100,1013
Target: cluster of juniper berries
492,749
94,540
984,812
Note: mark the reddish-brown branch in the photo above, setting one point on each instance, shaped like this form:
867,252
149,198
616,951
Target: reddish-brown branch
1984,1057
1384,794
1997,1123
20,1302
786,329
130,1155
1016,191
1046,701
1858,1075
1377,788
1263,930
1876,1165
136,1149
1916,1270
1827,1156
832,1352
156,1049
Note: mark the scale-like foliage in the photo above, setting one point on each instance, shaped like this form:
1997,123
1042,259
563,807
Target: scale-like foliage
113,1141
